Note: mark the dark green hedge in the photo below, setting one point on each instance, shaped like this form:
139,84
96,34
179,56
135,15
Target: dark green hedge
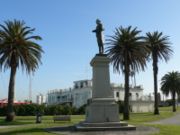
33,109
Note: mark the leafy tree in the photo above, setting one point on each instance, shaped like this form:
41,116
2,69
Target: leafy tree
82,109
170,84
127,53
67,110
160,50
17,48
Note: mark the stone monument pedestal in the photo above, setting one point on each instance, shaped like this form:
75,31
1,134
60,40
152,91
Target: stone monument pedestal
102,110
102,113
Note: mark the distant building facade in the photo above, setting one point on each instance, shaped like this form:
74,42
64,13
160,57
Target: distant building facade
40,99
82,92
59,96
135,93
76,96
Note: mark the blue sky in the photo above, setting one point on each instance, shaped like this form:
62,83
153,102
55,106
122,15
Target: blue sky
69,44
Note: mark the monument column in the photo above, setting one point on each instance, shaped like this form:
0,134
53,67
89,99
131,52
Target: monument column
103,107
101,79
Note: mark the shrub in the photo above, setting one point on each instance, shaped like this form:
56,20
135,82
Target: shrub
33,109
82,109
169,102
3,111
50,110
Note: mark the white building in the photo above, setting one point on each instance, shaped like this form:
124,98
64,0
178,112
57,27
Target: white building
135,93
82,92
40,99
59,96
78,96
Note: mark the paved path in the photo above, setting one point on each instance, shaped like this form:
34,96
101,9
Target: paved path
175,120
140,130
15,126
1,127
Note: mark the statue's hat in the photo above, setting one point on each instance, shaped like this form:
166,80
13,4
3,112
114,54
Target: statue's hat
98,21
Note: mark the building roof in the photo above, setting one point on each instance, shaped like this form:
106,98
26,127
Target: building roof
82,80
5,101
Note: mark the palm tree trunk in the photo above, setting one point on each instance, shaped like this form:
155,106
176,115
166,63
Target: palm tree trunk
126,97
174,100
155,72
10,111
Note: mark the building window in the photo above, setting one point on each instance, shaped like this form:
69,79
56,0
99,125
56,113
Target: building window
58,98
86,83
76,86
130,96
137,96
117,94
81,86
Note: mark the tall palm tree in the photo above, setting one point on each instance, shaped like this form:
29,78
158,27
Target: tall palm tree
127,53
17,48
160,50
170,83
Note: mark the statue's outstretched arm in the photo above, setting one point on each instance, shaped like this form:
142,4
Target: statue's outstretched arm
94,30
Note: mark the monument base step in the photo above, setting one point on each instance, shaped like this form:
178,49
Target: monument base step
103,124
107,126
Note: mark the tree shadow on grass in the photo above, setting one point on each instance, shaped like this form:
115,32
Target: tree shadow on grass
23,131
4,123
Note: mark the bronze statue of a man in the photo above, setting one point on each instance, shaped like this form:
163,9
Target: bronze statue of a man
98,31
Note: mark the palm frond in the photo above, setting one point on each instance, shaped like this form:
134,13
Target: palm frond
127,41
17,46
159,45
170,82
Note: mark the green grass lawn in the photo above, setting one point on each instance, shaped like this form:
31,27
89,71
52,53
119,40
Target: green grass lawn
168,129
25,125
165,112
138,118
